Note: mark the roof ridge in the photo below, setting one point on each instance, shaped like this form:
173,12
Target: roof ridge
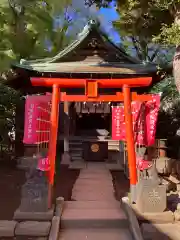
81,35
92,23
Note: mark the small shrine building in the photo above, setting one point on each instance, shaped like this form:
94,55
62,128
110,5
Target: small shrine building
88,77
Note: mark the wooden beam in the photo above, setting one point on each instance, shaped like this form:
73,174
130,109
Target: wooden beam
102,83
119,97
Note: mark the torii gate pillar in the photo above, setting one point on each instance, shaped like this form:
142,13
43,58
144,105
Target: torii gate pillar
53,136
130,142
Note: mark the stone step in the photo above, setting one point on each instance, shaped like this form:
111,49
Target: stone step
78,164
90,188
74,149
113,144
96,174
92,205
113,141
7,228
113,147
99,177
95,234
114,166
75,143
38,216
99,192
99,169
93,182
33,228
96,165
91,218
75,154
92,196
77,158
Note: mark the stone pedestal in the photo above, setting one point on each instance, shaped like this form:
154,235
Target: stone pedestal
34,194
151,197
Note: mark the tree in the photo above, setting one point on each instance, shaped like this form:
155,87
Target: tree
160,21
27,29
137,29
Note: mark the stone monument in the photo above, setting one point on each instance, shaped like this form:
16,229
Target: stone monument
151,197
34,193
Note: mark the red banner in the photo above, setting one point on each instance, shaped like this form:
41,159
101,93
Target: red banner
117,123
37,119
144,121
152,109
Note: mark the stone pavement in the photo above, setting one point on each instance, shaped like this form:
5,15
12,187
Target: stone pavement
94,213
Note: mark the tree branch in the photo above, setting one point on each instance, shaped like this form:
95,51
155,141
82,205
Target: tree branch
138,51
154,55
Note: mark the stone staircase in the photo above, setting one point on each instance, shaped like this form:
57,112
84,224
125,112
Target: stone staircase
76,149
94,214
113,145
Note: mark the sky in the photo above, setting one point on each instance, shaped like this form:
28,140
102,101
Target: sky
110,15
104,15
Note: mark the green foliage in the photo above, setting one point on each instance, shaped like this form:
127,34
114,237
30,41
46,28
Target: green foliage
168,89
9,98
139,22
26,26
169,35
169,115
154,25
155,20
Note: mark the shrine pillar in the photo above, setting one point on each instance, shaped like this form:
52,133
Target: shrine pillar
53,136
130,142
66,155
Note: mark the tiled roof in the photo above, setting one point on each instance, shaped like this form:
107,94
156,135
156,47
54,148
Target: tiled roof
90,64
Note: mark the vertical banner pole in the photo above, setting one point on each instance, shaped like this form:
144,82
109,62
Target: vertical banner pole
130,142
53,137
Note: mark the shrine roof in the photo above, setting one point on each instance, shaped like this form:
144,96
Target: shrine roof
91,52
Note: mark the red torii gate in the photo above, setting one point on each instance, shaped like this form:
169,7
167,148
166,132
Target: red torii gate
91,95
